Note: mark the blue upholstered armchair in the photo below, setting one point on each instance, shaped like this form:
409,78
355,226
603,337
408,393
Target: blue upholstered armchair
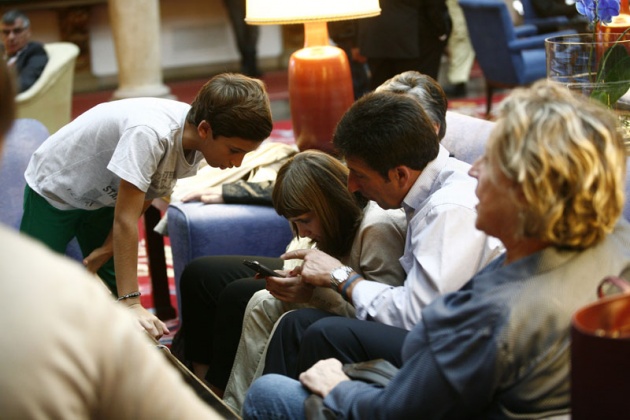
507,56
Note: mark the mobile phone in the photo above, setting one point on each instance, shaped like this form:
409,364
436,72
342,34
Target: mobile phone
261,269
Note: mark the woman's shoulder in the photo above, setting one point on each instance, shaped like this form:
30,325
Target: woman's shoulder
375,215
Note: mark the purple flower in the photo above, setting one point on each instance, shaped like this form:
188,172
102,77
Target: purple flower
598,10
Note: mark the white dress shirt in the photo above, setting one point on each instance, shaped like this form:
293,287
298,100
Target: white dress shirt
443,249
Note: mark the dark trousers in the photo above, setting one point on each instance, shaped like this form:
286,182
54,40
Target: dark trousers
382,69
305,336
246,37
214,294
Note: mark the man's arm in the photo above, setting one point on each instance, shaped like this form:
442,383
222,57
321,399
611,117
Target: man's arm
239,192
446,253
130,205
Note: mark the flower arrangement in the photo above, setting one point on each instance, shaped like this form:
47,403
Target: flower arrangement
598,10
613,64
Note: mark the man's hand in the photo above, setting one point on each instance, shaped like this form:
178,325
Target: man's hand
323,376
290,289
212,195
97,258
316,267
148,321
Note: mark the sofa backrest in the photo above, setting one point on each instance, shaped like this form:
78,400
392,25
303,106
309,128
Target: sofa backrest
466,139
466,136
49,100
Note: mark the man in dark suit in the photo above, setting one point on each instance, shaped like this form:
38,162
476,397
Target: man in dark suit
407,35
246,37
27,58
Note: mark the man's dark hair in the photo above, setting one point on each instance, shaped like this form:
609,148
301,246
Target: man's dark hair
11,16
386,130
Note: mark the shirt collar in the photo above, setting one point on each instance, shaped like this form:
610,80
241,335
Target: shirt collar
423,187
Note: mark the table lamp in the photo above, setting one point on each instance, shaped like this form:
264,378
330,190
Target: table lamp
320,82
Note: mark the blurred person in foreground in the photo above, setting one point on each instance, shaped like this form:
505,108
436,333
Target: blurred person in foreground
551,188
69,351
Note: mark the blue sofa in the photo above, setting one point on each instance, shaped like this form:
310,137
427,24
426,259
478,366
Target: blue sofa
197,230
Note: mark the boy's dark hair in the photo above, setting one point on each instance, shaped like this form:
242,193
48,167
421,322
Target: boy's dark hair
386,130
235,106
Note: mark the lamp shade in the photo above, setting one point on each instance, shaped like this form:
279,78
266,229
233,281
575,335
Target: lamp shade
276,12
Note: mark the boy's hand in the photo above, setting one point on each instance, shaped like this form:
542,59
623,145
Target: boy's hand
148,321
97,258
212,195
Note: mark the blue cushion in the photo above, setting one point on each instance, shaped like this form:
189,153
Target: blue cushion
197,230
25,136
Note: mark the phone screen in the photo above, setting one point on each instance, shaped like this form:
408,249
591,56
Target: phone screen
261,269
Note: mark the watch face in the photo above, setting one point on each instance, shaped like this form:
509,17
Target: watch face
341,274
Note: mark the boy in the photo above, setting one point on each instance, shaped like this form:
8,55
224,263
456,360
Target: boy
96,176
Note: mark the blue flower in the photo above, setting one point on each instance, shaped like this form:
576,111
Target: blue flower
598,10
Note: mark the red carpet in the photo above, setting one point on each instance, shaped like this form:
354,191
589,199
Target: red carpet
184,90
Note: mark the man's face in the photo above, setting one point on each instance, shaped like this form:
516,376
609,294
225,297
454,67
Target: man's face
15,36
372,185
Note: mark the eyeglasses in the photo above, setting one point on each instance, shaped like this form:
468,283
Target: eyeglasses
16,31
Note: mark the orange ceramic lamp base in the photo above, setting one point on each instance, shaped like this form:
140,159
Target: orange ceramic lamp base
320,89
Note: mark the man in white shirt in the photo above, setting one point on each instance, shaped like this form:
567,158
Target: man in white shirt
395,159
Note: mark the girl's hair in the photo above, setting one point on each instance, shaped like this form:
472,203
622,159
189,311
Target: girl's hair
565,154
313,181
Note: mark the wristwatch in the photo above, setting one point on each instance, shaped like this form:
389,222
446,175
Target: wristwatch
339,275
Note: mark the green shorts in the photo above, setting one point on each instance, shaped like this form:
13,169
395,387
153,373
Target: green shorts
56,228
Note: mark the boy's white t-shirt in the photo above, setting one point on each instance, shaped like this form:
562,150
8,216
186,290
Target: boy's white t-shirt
138,140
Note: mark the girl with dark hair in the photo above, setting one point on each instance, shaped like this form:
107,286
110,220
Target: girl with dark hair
311,192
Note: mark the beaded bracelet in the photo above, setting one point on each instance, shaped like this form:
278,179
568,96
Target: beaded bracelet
347,283
129,295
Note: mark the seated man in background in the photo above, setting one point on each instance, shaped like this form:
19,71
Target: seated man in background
27,58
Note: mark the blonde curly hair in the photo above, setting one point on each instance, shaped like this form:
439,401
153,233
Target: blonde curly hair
567,158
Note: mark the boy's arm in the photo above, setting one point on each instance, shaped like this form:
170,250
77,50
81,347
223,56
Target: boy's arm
130,204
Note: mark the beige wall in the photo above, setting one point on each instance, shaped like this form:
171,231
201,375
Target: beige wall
193,33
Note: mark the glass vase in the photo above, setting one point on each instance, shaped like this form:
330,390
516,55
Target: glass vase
596,65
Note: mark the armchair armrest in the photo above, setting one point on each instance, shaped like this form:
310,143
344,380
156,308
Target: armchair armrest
197,230
525,30
550,22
